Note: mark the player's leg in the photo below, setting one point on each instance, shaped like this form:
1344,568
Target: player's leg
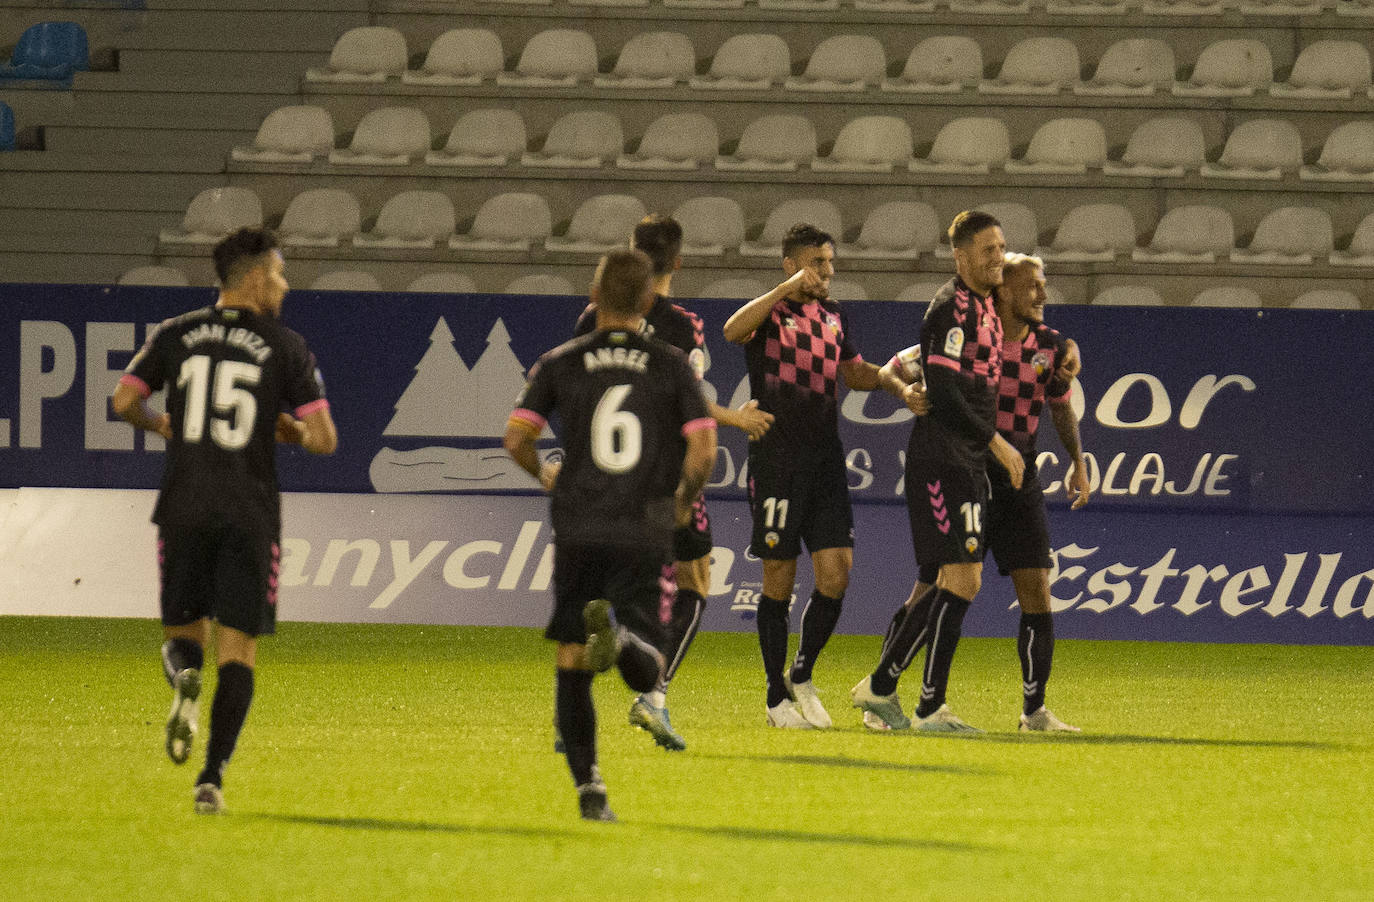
1035,647
184,601
776,541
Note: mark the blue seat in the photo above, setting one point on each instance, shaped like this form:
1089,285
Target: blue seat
6,127
51,51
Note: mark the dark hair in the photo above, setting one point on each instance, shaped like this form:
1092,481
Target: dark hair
622,280
660,238
967,224
240,252
803,235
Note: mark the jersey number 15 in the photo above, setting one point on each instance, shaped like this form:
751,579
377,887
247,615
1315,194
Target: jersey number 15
227,391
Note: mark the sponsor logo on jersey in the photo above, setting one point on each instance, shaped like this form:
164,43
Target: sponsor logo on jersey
954,342
771,539
970,544
1041,362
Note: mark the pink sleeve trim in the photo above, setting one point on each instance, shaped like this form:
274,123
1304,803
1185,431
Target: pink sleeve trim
306,410
857,358
138,384
529,416
697,425
945,362
1060,399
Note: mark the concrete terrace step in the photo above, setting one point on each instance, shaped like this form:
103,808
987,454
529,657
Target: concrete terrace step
267,30
192,110
206,144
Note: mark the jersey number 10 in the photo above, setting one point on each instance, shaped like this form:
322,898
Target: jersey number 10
235,408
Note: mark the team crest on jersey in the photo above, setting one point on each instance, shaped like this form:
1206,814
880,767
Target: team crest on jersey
833,322
954,342
771,539
1041,362
970,544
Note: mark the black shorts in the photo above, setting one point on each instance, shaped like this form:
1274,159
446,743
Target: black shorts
637,582
694,541
222,571
1018,530
947,504
795,498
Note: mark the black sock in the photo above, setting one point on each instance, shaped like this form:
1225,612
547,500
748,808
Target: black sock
818,623
946,618
773,629
233,696
897,617
577,723
641,665
688,606
1035,645
911,634
179,654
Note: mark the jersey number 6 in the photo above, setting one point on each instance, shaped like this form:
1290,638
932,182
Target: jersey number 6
617,439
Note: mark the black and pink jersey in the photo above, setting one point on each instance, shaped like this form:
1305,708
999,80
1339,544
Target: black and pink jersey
625,404
1028,380
228,373
669,323
794,362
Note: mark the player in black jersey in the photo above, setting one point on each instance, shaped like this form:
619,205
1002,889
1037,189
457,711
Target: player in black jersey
798,348
960,354
638,447
660,238
237,381
1038,366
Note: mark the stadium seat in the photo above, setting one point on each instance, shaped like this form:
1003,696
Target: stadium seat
1019,226
369,54
1259,149
346,280
599,224
514,221
1133,67
320,217
734,289
869,144
214,213
710,225
162,276
1280,7
1186,7
446,282
896,230
1129,296
1086,7
290,134
654,59
1091,233
895,6
1041,65
541,284
1327,69
921,292
1226,296
847,290
1233,67
1163,147
843,62
1066,145
1360,251
411,219
1327,299
556,58
390,136
6,127
675,141
1194,233
801,5
969,144
823,214
460,56
989,7
946,64
1289,235
776,142
582,139
486,137
1360,8
747,62
49,51
608,2
1347,155
703,4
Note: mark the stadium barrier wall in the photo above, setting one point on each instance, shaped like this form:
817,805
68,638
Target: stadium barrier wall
1233,491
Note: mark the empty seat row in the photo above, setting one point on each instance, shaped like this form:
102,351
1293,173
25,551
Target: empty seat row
1191,8
712,225
1261,148
565,57
1226,296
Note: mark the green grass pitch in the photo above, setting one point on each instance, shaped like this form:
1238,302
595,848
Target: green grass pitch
408,762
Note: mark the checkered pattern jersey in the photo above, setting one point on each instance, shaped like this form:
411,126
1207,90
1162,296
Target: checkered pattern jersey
976,353
794,363
1028,381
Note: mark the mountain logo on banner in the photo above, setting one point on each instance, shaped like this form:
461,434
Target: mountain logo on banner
446,399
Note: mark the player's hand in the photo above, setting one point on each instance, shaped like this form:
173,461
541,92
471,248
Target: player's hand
1009,458
163,426
548,474
803,284
753,421
1072,364
290,431
915,398
1076,486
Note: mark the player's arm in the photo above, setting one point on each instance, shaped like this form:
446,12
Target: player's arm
697,464
745,321
951,408
519,443
130,404
860,375
1066,424
747,418
314,431
913,383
